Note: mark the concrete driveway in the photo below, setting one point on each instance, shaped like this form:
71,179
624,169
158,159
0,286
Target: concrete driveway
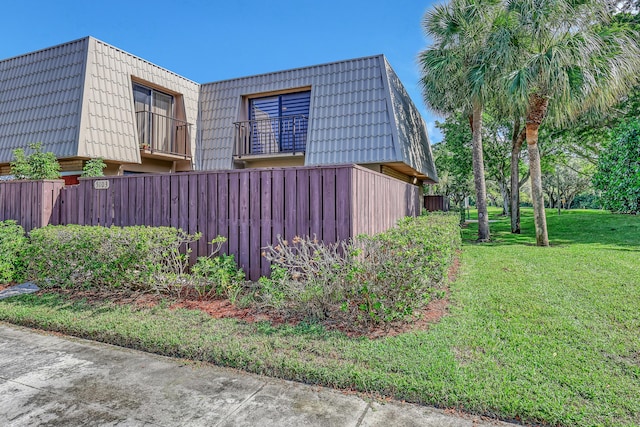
50,380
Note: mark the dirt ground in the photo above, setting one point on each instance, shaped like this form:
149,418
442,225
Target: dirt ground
223,308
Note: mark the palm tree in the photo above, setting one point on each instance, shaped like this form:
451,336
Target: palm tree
456,76
570,61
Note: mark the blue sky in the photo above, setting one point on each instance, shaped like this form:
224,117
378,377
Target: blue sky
214,40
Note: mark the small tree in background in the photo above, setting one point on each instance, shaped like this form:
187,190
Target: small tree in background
618,174
93,168
37,165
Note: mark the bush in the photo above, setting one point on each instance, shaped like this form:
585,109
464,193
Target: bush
136,258
372,279
37,165
217,275
93,168
12,246
618,174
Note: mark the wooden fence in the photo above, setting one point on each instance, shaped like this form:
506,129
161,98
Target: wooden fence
31,203
436,203
250,207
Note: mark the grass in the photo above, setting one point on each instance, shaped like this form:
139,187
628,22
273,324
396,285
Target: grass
541,335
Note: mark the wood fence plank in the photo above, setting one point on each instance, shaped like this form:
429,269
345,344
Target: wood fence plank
203,214
234,215
131,203
315,203
264,223
145,189
302,194
175,201
278,211
153,189
290,203
328,225
255,230
243,247
193,214
222,210
343,203
212,209
164,201
183,202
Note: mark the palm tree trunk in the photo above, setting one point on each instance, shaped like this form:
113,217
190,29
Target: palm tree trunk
535,114
516,147
478,175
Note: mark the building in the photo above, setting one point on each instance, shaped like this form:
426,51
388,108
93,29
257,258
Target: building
86,99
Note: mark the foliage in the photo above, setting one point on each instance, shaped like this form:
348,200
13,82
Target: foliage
137,258
510,346
618,173
308,277
12,246
453,159
456,75
218,274
586,200
371,280
93,168
569,177
37,165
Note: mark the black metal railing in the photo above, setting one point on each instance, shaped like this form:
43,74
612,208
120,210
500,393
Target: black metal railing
286,134
163,134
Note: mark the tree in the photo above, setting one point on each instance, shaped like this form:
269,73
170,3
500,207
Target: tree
570,61
453,159
618,172
94,168
37,165
457,76
569,177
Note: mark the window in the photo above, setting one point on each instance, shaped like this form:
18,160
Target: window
279,123
154,116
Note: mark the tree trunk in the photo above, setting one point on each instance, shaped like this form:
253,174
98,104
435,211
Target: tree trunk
535,114
478,175
504,192
517,139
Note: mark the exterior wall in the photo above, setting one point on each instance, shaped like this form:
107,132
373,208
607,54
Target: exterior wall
281,162
349,121
108,119
77,99
148,166
41,99
413,146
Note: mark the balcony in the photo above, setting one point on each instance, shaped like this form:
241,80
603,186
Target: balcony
271,137
163,137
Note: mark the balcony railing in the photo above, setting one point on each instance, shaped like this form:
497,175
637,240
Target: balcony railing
163,134
287,134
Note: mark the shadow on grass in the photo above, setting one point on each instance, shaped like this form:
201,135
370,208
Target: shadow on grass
568,228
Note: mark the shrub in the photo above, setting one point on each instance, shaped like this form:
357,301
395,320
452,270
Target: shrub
12,246
217,275
137,258
37,165
308,277
618,174
133,258
372,279
94,168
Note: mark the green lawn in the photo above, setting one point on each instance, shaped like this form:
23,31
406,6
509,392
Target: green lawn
536,334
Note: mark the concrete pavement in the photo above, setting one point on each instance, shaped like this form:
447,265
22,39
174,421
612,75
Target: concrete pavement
49,380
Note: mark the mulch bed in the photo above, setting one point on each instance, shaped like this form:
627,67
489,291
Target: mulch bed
222,308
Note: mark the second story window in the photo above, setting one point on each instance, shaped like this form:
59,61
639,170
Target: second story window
154,117
279,123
